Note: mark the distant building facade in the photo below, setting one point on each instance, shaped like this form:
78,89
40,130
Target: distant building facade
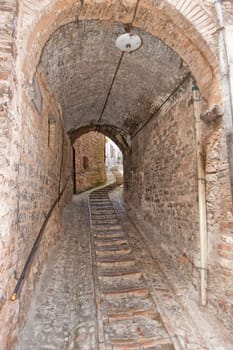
113,155
89,156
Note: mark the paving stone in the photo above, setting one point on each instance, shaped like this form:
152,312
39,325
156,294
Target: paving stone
127,303
129,318
62,315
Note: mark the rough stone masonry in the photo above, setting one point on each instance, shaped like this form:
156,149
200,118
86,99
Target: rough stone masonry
60,73
89,161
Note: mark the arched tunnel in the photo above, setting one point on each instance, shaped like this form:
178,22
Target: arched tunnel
163,104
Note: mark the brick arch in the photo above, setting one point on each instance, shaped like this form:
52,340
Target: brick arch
156,18
115,134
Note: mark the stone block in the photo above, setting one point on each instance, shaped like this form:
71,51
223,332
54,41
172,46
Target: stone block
212,114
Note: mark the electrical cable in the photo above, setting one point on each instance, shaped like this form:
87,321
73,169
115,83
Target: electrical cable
118,65
111,86
164,102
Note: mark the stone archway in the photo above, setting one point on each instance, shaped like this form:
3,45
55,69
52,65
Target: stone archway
187,37
156,19
118,136
184,27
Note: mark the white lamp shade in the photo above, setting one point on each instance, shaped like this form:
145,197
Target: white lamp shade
128,42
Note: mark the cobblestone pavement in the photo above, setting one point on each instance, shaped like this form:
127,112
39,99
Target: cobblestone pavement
62,314
101,289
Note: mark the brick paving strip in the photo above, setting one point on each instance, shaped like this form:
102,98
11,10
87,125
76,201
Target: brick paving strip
128,317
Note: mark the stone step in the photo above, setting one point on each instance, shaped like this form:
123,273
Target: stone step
120,285
100,208
111,231
104,221
111,275
101,204
128,318
107,294
112,251
111,235
121,316
100,211
97,195
137,333
103,241
103,216
149,344
114,263
127,305
101,190
128,308
111,227
116,272
124,282
96,208
113,246
105,228
116,259
97,202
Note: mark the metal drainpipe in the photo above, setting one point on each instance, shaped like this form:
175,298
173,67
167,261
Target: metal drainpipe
226,89
201,195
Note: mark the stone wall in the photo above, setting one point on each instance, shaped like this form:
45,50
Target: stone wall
188,27
31,160
161,189
220,222
161,177
43,170
228,18
10,126
89,161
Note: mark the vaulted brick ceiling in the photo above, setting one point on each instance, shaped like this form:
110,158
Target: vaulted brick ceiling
80,61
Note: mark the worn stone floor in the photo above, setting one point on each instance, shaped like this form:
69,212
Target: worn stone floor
62,309
63,314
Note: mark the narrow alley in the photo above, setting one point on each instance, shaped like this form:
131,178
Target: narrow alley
101,288
142,89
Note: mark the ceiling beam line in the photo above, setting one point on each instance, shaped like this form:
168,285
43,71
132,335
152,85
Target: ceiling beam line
162,104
